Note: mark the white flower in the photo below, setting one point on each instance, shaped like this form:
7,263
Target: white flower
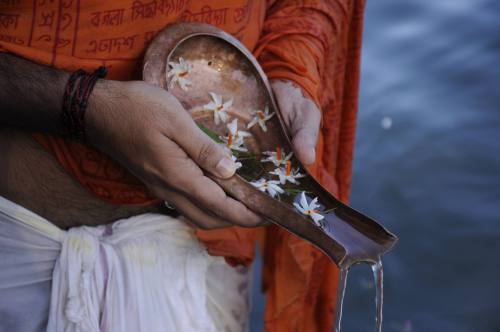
237,134
178,73
234,138
260,117
277,158
232,143
309,209
236,162
271,186
288,174
218,107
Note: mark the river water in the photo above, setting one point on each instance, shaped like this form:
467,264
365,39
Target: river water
427,165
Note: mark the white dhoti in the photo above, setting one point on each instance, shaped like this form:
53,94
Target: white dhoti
145,273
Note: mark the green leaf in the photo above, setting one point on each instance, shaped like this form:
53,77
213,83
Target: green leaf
210,133
292,191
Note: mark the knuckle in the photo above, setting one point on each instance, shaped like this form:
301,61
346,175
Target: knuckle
245,224
204,226
182,177
215,208
257,222
205,152
218,223
201,195
252,222
219,207
167,179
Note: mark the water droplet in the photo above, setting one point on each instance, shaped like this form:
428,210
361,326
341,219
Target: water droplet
407,327
386,123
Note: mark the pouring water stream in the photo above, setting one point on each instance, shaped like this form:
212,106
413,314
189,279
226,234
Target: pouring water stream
378,276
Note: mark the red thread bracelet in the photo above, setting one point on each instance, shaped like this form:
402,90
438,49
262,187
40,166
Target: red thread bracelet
76,94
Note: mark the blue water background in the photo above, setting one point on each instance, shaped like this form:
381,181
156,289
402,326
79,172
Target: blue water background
433,178
427,165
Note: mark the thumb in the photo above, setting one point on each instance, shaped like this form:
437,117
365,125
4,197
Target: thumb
209,155
305,131
304,147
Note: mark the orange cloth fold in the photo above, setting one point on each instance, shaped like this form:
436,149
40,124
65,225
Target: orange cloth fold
295,37
311,43
314,43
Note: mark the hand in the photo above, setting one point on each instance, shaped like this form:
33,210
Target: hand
148,131
301,116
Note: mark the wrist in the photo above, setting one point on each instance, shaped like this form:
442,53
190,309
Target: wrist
102,101
77,92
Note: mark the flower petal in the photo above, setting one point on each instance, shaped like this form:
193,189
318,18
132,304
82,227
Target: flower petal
252,123
262,125
216,98
172,82
233,126
314,204
276,187
298,207
223,116
210,106
303,201
244,134
317,217
228,104
267,118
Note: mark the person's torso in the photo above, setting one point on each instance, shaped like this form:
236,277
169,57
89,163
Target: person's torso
68,34
72,34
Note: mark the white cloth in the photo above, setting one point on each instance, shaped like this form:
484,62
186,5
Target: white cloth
145,273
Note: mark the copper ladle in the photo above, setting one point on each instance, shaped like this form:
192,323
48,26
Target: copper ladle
221,64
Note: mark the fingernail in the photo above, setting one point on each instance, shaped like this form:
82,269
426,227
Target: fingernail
313,155
225,167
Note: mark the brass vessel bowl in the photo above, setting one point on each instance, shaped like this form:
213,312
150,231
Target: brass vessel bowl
222,65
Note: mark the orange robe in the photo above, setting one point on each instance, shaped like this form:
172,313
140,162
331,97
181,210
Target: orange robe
315,43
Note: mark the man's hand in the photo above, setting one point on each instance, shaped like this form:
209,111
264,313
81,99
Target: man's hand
148,131
301,116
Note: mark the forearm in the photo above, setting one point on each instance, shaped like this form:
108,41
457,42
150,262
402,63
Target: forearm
31,95
295,42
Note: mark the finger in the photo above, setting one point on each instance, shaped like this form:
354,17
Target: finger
305,131
183,175
188,209
205,219
202,149
210,196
